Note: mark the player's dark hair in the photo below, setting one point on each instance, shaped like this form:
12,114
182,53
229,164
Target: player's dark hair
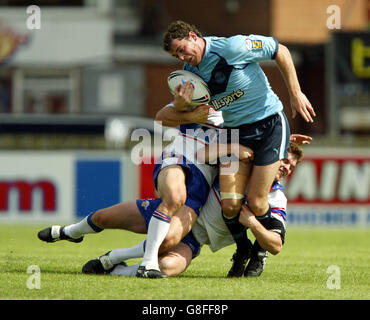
178,30
296,150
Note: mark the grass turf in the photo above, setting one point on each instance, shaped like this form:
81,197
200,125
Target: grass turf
298,272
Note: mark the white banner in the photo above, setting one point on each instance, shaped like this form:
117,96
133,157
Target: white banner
36,186
63,186
330,187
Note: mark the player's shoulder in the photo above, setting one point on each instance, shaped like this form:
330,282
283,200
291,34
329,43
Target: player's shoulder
277,193
224,45
238,40
280,195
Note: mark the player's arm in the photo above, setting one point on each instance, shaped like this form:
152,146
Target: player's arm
299,102
210,153
168,116
268,240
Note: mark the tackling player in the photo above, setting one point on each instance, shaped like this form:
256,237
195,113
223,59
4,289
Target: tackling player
240,89
180,180
210,229
175,257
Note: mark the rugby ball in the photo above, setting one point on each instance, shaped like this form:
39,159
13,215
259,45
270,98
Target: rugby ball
201,94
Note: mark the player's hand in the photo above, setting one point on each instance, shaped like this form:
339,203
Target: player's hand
183,95
245,154
200,113
300,139
299,103
247,218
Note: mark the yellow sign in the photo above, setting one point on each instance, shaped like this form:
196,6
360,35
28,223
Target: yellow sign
359,54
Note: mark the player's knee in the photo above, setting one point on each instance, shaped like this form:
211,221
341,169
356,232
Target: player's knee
172,239
258,205
100,219
172,266
174,200
230,207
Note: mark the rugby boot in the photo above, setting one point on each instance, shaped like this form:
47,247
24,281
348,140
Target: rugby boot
56,233
100,265
143,272
240,259
256,263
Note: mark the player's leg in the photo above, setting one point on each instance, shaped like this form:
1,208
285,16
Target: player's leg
271,149
232,189
120,216
260,183
176,260
171,263
181,224
172,190
259,187
125,216
106,262
269,139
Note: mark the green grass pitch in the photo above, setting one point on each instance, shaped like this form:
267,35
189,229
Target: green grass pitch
299,272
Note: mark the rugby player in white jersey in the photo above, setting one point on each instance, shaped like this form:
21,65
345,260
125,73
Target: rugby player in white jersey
210,229
179,178
180,181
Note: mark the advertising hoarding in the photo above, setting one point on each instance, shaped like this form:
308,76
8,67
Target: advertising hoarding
329,188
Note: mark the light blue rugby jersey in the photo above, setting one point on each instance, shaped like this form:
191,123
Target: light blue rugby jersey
239,87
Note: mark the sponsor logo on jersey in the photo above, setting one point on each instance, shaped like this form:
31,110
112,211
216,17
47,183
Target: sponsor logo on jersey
257,44
226,100
253,44
145,204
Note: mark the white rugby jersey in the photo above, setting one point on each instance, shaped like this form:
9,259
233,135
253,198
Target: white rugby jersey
215,120
191,138
211,229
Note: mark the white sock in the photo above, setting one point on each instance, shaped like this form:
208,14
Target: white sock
129,271
80,228
119,255
157,231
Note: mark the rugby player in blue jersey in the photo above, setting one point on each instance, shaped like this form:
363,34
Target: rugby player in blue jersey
240,89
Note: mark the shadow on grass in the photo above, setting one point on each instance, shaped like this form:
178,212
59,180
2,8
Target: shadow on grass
203,277
42,270
53,270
